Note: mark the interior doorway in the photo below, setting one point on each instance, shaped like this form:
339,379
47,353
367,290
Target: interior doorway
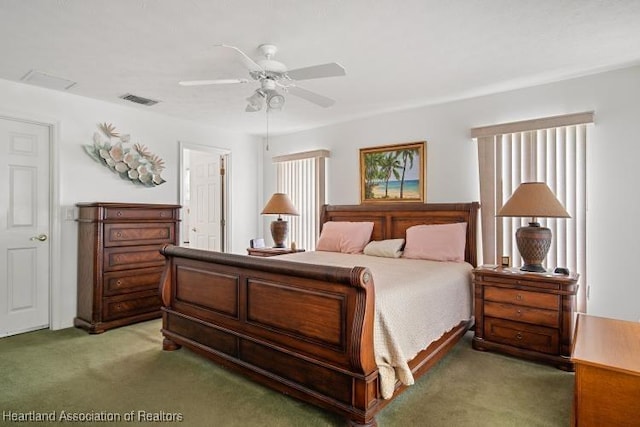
25,226
204,195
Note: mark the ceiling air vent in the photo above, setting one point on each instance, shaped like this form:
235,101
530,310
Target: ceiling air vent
139,100
39,78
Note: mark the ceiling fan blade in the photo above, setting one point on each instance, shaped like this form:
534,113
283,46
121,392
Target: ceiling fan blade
248,62
212,82
317,71
317,99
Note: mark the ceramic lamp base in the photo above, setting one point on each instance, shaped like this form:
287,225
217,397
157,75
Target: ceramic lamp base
279,231
533,243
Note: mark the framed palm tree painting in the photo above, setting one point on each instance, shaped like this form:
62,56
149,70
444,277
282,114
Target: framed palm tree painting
393,173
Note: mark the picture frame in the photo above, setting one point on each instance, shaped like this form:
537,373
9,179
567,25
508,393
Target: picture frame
257,243
393,173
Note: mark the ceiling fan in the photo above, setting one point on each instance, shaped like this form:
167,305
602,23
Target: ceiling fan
275,79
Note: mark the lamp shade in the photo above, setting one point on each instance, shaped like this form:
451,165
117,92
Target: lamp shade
279,204
533,199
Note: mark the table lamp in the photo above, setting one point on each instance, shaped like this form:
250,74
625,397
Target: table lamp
533,199
279,204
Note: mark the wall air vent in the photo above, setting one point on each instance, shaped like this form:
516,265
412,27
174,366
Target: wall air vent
139,100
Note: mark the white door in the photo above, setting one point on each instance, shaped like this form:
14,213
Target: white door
24,227
205,200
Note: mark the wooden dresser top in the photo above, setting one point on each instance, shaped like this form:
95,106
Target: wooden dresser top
607,343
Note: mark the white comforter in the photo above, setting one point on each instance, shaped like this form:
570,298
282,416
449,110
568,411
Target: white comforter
417,301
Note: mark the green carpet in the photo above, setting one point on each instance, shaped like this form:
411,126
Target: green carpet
124,371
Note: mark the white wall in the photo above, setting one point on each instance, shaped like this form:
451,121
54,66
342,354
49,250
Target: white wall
452,172
83,180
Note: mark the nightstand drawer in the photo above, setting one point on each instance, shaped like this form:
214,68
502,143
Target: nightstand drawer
522,335
521,313
511,280
520,297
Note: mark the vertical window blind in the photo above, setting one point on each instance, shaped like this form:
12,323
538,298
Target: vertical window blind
551,150
302,177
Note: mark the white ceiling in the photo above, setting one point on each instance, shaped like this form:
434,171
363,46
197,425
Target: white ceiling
397,53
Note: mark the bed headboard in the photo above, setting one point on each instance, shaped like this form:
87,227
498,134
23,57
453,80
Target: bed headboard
391,220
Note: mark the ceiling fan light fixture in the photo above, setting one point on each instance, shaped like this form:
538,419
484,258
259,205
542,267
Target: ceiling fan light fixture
275,101
256,101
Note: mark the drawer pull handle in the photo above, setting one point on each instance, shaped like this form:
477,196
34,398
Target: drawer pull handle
519,297
119,213
519,312
519,336
119,283
118,234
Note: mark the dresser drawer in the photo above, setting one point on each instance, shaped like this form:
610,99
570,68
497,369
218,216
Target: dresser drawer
520,297
113,213
124,234
522,313
130,305
123,258
126,281
522,335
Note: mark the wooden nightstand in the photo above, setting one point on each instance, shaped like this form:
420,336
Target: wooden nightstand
265,252
523,314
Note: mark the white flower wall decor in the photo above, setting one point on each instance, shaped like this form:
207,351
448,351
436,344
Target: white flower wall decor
135,163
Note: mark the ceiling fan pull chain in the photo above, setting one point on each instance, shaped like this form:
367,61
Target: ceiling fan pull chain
267,148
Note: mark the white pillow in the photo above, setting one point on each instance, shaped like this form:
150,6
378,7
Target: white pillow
391,248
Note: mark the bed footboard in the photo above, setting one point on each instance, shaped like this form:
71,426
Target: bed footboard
305,330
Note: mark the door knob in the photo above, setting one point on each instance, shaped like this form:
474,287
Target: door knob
41,237
194,229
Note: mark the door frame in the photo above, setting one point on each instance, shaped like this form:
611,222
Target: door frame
55,218
182,148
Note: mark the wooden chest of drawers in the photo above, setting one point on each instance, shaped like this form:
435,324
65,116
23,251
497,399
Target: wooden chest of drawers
528,315
119,263
606,354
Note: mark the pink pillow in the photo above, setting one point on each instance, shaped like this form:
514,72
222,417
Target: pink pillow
437,242
343,236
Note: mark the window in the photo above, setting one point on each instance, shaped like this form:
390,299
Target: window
302,177
550,150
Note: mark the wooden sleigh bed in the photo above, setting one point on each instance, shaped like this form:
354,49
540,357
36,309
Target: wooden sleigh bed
305,330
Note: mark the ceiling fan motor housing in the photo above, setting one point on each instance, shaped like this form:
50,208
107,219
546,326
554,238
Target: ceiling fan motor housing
268,84
268,49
